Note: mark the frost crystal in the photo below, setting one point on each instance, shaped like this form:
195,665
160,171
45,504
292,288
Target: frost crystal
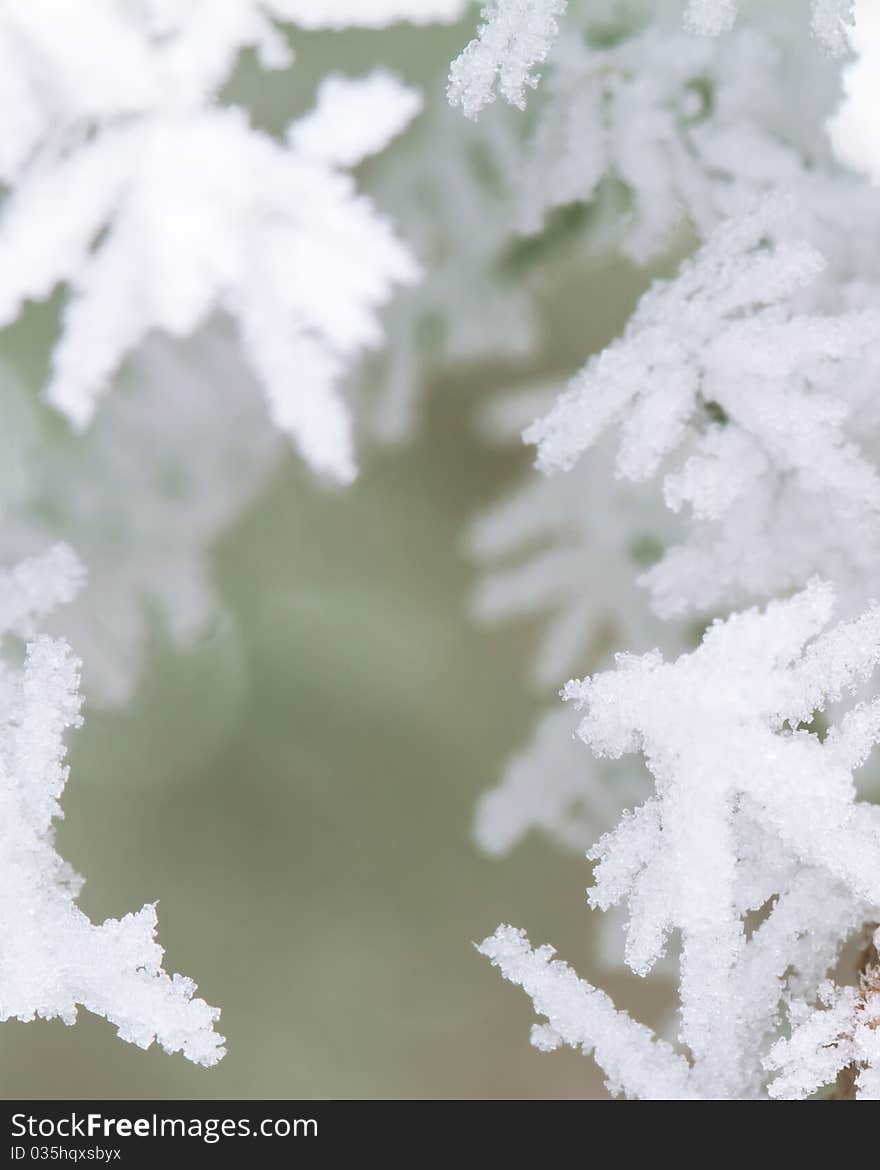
752,816
843,1033
53,958
722,365
583,1017
514,38
694,340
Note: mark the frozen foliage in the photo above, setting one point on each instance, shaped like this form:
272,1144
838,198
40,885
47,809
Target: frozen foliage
842,1035
143,502
675,348
553,787
752,815
763,429
683,127
663,115
720,368
54,958
682,123
517,34
747,385
547,553
514,38
176,208
579,1015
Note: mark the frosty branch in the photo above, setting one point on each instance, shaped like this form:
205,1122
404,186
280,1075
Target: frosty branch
747,383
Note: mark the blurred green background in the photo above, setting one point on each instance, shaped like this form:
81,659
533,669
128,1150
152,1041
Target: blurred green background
298,789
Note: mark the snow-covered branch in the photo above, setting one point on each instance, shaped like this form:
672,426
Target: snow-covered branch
54,958
751,815
176,208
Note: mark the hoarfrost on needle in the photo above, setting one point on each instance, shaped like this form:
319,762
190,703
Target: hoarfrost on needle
54,958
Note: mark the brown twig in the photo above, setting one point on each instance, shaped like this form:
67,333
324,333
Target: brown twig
869,985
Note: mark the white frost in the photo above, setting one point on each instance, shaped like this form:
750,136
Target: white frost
53,958
752,814
514,37
176,208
